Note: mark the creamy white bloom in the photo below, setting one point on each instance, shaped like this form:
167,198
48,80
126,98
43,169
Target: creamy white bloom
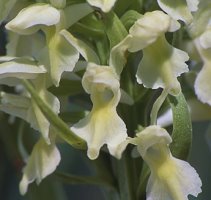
179,9
200,31
161,63
34,17
102,125
43,161
22,68
104,5
170,178
62,51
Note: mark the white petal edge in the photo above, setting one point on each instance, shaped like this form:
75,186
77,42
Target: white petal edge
104,5
43,161
29,19
203,84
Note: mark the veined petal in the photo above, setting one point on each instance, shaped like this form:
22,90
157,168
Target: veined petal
21,68
15,105
179,9
161,68
63,56
88,53
102,125
43,161
170,178
31,19
104,5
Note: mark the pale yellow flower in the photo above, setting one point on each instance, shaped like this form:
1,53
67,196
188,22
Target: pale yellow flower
161,63
102,125
170,178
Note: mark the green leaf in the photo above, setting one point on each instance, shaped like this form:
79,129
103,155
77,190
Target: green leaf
182,127
89,26
62,129
74,13
5,8
114,29
129,18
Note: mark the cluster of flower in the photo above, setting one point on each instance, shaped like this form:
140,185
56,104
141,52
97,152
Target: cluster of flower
40,48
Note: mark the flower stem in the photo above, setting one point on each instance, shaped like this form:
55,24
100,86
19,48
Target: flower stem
156,107
62,129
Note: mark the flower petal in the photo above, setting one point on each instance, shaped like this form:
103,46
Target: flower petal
18,44
102,125
161,68
104,5
179,9
88,53
63,56
76,12
30,19
148,28
15,105
21,68
170,178
43,161
118,54
143,33
202,84
193,5
205,39
176,181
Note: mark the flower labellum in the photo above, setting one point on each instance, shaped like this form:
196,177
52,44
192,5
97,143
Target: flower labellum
161,63
102,125
170,178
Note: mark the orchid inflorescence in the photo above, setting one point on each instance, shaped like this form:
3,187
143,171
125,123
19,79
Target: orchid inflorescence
127,56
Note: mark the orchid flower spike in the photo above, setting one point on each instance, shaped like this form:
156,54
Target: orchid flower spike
179,9
104,5
102,125
170,178
161,63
